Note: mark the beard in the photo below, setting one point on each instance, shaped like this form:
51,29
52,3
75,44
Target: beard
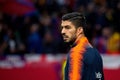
71,41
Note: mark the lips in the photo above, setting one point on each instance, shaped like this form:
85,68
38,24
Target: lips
65,37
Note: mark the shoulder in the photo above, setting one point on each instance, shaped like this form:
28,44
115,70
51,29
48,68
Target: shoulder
92,56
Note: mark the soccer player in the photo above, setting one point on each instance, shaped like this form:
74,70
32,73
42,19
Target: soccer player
83,61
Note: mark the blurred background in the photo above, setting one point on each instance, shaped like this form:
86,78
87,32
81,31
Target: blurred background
31,47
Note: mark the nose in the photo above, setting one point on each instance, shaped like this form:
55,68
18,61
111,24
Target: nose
63,31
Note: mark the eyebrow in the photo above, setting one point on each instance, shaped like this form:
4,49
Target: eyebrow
65,26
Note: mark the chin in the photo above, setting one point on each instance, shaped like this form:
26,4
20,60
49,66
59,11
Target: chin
70,41
66,41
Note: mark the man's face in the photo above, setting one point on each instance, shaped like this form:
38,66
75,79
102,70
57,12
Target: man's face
68,31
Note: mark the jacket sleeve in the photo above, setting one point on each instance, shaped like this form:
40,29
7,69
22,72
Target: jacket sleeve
93,67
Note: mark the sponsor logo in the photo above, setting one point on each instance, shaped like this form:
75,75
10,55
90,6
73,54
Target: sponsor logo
98,75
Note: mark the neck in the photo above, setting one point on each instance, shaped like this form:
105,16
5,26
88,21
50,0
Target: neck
79,37
76,40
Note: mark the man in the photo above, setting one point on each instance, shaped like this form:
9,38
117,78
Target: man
83,61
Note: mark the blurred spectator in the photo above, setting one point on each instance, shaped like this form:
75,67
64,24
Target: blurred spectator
49,43
101,18
113,45
9,40
91,17
34,41
100,42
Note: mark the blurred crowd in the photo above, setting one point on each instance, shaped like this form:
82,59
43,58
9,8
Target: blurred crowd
39,32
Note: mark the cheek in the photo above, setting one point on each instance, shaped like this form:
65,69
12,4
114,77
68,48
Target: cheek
72,34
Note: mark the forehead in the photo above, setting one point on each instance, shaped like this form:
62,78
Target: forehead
65,23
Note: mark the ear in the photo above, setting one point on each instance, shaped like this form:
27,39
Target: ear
79,30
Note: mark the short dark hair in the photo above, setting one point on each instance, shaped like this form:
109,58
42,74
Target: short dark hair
78,19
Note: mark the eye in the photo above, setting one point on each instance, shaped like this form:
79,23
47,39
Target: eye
67,27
